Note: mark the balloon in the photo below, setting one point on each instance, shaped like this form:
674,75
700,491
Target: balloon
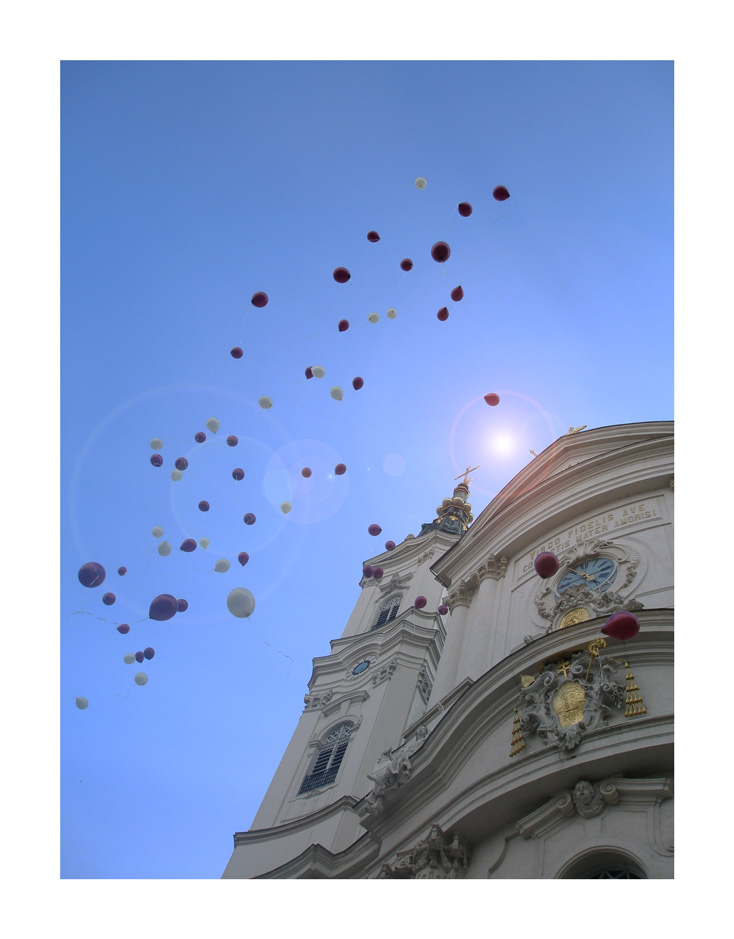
265,402
236,352
440,252
285,507
182,606
443,314
305,472
139,656
122,571
343,326
367,571
238,473
622,626
240,602
391,314
457,294
91,574
232,441
337,393
309,372
222,566
420,183
82,703
176,475
157,531
500,193
123,628
318,371
164,549
420,602
128,658
148,653
340,469
465,209
406,264
212,425
374,530
200,437
188,545
546,564
243,557
390,545
141,679
341,275
259,299
492,399
373,317
181,463
443,609
163,607
204,506
108,599
156,443
204,542
156,459
249,519
377,573
357,383
372,236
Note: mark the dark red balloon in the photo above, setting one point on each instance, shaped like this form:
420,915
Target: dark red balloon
309,373
182,463
259,299
343,326
182,606
91,574
340,469
622,626
188,545
236,352
238,473
443,314
440,252
108,599
465,209
156,459
149,653
232,441
457,294
443,609
305,472
204,506
545,564
249,519
341,275
357,383
139,656
367,571
200,436
122,571
390,545
374,530
420,602
377,573
492,399
500,193
123,628
243,557
163,607
372,236
406,264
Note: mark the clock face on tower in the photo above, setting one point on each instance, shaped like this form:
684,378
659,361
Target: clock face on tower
358,669
594,573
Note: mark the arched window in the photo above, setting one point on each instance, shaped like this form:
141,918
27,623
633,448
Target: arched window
328,760
604,865
387,612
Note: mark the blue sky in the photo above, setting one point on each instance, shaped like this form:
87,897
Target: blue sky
188,186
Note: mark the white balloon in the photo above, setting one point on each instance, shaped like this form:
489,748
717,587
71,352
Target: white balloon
318,371
391,314
240,602
373,317
82,703
420,183
265,402
128,658
176,475
141,679
156,443
157,531
164,549
337,393
213,424
285,507
222,565
204,542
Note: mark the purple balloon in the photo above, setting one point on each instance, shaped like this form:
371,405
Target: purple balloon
91,574
406,264
374,530
249,519
204,505
238,473
367,571
108,599
440,252
149,653
420,602
163,607
309,372
340,469
623,626
341,275
181,463
457,294
182,606
259,299
465,209
343,326
188,545
377,573
443,314
123,628
236,353
443,609
232,441
373,236
501,193
243,557
139,656
390,545
156,459
122,571
200,436
546,564
357,383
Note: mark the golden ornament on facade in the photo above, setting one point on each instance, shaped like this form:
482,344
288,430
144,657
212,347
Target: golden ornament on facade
579,615
568,703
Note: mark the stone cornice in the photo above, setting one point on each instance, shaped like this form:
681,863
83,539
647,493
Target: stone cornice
317,862
254,836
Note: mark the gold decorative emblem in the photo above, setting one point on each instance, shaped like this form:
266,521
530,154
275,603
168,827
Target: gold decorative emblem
568,703
527,680
579,615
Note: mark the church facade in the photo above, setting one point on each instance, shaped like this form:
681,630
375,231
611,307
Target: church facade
473,721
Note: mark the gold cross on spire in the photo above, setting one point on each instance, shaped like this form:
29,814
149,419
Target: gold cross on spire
466,473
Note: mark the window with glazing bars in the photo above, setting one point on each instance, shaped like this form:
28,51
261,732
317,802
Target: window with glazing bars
328,760
389,611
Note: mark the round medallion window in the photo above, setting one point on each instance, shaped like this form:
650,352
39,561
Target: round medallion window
363,666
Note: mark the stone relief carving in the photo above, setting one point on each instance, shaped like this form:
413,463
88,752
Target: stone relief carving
391,771
426,556
440,856
493,567
384,673
598,604
396,584
588,799
315,701
462,594
424,683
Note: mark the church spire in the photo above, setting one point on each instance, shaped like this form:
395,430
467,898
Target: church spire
454,515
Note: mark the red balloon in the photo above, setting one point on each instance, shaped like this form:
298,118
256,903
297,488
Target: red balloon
259,299
122,571
232,441
91,574
377,573
139,656
305,472
420,602
238,473
108,599
492,399
374,530
406,264
200,437
163,607
204,506
341,275
182,606
367,571
340,469
440,252
545,564
343,326
182,463
443,609
188,545
148,653
465,209
390,545
500,193
443,314
622,626
372,236
457,294
156,459
243,557
309,373
236,353
357,383
123,628
249,519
